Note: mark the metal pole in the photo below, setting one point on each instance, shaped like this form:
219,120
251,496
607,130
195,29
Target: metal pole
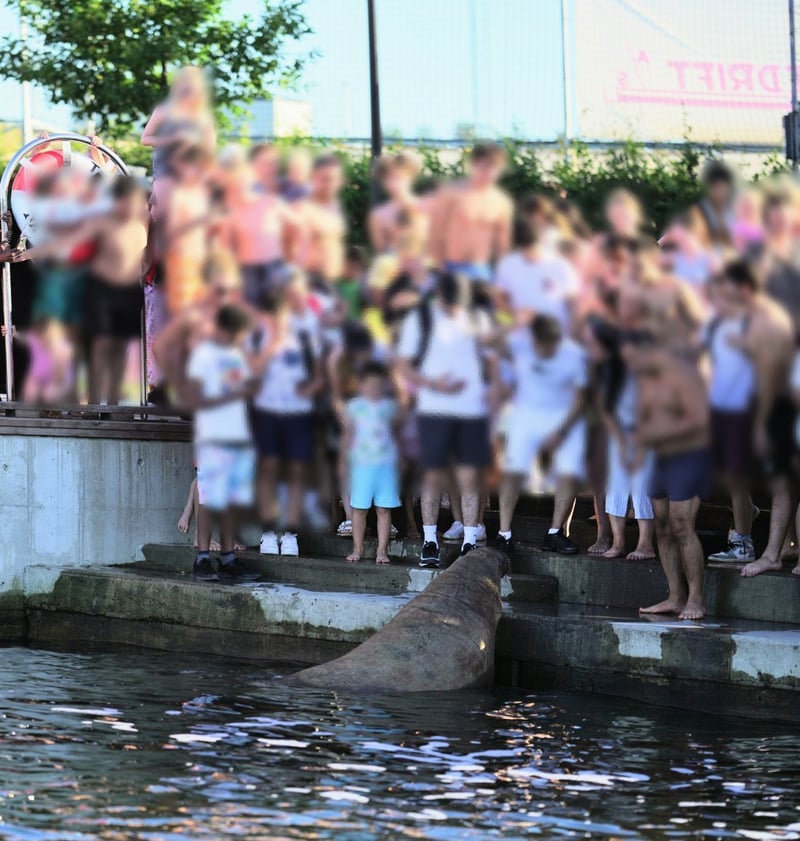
374,93
5,187
793,72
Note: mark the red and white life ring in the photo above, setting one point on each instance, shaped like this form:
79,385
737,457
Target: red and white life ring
25,204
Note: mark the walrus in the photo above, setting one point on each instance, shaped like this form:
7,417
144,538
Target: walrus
443,639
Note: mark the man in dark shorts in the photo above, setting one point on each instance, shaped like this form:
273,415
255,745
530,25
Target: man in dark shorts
441,352
673,420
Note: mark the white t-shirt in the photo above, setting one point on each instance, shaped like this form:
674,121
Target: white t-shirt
454,351
289,369
546,385
221,369
546,285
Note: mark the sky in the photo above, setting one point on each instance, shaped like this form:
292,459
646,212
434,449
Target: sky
497,67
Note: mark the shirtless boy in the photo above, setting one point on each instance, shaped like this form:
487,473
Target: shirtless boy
325,225
471,219
673,420
396,175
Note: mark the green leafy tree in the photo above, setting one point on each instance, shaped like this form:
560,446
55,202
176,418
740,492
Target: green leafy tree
111,59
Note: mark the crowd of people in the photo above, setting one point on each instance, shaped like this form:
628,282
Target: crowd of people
478,345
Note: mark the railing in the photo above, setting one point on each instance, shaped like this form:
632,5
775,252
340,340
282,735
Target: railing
150,423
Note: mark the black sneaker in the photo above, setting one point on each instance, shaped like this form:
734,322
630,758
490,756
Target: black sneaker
467,548
234,571
504,544
429,556
204,570
560,543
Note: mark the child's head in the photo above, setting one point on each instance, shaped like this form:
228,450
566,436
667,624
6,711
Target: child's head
355,262
374,379
232,323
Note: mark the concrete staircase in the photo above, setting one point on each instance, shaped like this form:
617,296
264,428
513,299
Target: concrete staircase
569,622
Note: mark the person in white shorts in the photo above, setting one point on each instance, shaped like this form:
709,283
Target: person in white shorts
219,384
545,421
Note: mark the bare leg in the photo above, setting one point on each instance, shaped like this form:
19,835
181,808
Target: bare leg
266,490
384,529
644,548
469,489
98,368
297,488
564,503
509,496
344,487
741,504
117,357
205,521
359,528
778,523
617,548
455,496
598,466
227,530
432,483
682,519
668,553
412,532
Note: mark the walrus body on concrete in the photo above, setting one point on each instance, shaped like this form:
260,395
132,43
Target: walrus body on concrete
441,640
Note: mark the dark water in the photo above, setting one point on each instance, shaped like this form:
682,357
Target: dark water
121,745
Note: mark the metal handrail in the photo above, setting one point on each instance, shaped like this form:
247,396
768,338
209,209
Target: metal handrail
5,187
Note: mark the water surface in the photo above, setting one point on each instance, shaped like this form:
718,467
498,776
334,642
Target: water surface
142,745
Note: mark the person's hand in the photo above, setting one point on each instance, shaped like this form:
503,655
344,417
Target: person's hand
446,385
550,445
761,443
20,255
95,141
4,331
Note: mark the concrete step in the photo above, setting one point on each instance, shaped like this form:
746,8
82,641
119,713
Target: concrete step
592,580
732,667
617,583
328,572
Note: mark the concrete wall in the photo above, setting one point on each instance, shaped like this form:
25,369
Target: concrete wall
78,501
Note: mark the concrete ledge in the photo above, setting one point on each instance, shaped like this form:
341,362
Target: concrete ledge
13,622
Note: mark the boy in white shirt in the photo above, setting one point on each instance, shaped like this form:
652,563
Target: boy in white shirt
218,387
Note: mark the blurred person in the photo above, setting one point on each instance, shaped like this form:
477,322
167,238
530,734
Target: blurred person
769,341
114,297
684,255
747,232
624,214
629,472
325,225
371,425
732,395
184,119
287,359
294,186
780,262
174,344
715,209
441,354
471,218
545,423
673,420
186,216
350,286
218,387
260,229
265,162
540,214
530,282
50,378
396,175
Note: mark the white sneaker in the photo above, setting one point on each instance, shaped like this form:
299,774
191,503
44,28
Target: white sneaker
269,544
289,544
455,532
480,535
740,550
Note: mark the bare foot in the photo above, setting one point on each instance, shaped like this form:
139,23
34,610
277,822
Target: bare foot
382,559
614,552
184,522
641,554
239,547
214,546
796,570
667,606
761,565
693,610
601,545
353,558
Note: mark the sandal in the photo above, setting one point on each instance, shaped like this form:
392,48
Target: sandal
345,528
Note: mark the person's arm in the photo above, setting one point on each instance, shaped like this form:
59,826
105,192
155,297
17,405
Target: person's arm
579,404
377,235
194,399
150,136
502,229
85,231
294,233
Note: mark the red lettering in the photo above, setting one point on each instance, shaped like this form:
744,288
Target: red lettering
704,71
680,69
741,76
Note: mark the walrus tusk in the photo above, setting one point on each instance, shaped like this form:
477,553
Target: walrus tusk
441,640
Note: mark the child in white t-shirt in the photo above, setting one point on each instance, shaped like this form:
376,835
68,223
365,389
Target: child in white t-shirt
219,384
371,425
